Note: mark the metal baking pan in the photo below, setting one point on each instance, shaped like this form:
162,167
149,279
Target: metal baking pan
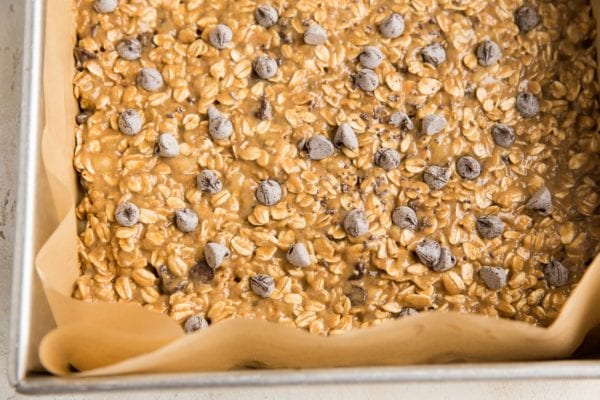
30,315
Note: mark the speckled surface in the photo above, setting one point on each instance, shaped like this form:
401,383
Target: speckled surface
11,13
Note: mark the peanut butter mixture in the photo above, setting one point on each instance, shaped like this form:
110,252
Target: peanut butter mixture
335,164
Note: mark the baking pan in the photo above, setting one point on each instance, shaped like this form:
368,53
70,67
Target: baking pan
30,315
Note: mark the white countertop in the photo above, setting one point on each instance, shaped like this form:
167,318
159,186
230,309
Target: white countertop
11,13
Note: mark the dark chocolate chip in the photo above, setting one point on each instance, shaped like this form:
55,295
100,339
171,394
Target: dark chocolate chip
429,252
370,57
208,182
186,220
490,226
367,80
447,260
130,122
319,147
494,278
503,135
556,274
315,35
436,177
150,79
392,26
266,15
265,112
401,120
488,53
127,214
526,18
405,218
220,36
201,273
298,256
468,167
262,285
195,323
169,283
387,159
356,295
434,54
527,105
268,192
105,6
356,223
541,201
265,67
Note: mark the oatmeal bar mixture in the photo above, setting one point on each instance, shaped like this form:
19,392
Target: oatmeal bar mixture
335,164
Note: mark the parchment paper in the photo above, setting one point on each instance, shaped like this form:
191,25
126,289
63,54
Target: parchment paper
109,339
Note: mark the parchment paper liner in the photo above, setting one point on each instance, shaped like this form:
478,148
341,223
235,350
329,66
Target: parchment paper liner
109,339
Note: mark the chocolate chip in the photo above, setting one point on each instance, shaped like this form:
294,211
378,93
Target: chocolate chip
186,220
433,124
129,49
146,39
208,182
127,214
298,256
367,80
526,18
130,122
527,105
150,79
345,136
268,192
387,159
201,273
468,168
436,177
82,55
315,35
105,6
405,218
356,295
195,323
447,260
215,254
167,145
358,273
262,285
219,126
266,15
265,67
541,201
429,252
319,147
407,312
356,223
503,135
220,36
401,120
82,117
370,57
556,274
488,53
434,54
301,145
392,26
265,112
494,278
169,283
490,226
286,37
